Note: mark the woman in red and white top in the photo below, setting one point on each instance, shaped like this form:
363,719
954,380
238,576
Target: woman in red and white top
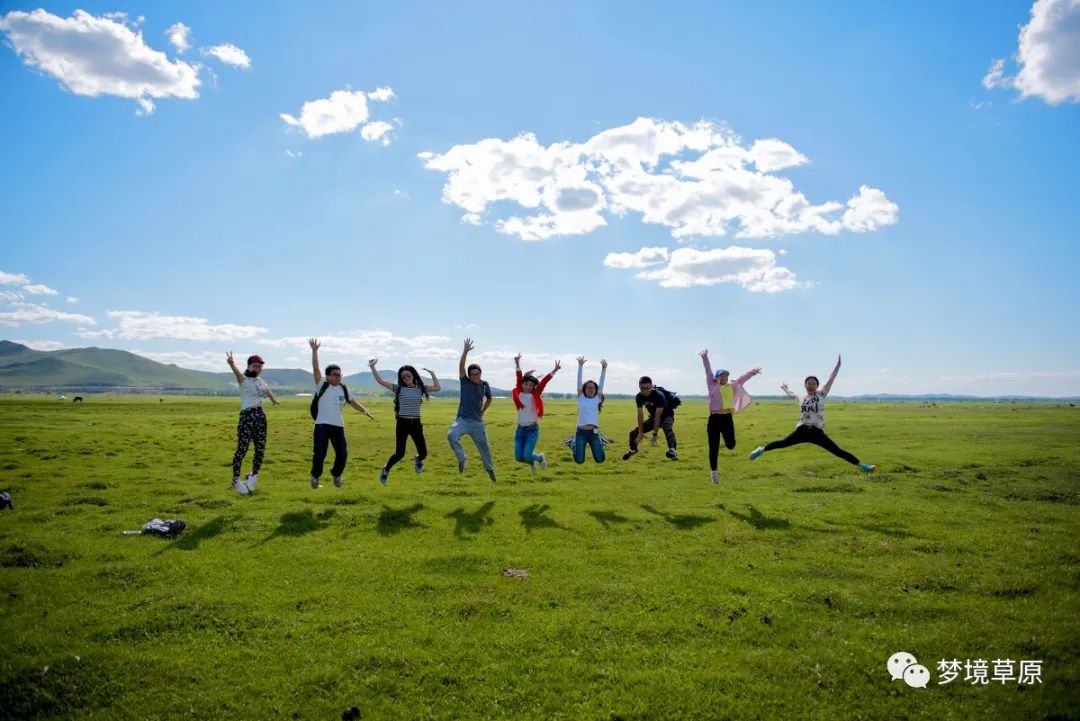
530,409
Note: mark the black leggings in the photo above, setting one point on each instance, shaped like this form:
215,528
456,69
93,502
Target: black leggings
408,428
667,425
250,428
720,424
815,435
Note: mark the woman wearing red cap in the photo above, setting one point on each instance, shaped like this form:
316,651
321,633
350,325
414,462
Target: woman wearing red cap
252,425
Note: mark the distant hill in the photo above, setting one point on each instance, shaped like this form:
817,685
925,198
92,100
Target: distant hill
106,369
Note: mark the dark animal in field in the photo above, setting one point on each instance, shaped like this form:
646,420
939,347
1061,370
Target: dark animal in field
77,399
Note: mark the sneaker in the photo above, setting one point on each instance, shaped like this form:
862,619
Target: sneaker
715,478
419,465
756,453
461,466
672,454
239,486
337,481
384,475
543,461
251,480
626,456
491,474
314,482
532,467
867,467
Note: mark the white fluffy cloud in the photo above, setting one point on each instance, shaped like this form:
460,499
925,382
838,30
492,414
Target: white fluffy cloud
203,361
139,325
1048,55
342,112
697,180
754,269
39,289
179,36
41,344
72,299
94,56
13,278
229,54
34,313
373,343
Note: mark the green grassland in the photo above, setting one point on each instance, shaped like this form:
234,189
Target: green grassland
651,593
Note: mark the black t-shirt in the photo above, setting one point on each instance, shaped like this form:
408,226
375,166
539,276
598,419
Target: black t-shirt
654,400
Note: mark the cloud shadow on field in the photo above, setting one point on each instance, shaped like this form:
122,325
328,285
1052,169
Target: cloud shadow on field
190,539
760,521
608,518
535,516
682,521
395,520
299,523
471,523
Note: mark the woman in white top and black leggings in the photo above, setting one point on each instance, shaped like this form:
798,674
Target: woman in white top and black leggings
409,392
252,425
811,425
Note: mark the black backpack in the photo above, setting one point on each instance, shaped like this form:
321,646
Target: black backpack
315,400
671,397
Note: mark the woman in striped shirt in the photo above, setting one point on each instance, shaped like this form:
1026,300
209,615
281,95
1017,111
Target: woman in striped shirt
409,392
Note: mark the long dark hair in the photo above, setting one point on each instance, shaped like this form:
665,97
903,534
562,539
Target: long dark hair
416,380
596,385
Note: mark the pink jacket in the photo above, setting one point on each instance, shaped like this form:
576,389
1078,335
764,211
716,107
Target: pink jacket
742,398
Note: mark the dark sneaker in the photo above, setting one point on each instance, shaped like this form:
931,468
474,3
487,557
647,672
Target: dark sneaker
314,482
491,474
461,466
384,476
626,456
419,465
672,454
337,481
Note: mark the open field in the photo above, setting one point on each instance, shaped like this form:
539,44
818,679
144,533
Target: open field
651,593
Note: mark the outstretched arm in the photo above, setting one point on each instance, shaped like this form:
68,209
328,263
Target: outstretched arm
832,376
314,343
464,353
355,404
747,376
235,370
378,378
603,375
517,370
547,379
580,370
709,379
434,387
788,393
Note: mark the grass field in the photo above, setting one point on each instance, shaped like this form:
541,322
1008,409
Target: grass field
651,594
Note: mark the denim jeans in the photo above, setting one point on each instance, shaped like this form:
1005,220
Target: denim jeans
465,426
525,439
590,438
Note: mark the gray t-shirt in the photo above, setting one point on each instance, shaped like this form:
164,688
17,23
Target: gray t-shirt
472,398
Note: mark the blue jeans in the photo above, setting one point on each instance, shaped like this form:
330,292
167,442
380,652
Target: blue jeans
465,426
591,438
525,439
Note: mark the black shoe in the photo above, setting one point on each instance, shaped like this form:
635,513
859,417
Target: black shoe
672,454
626,456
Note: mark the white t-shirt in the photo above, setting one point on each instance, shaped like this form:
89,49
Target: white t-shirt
252,392
812,411
527,413
331,405
588,410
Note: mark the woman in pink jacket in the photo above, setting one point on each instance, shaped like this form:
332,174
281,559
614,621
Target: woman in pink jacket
725,400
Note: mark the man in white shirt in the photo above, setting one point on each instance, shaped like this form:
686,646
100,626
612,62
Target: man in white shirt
329,402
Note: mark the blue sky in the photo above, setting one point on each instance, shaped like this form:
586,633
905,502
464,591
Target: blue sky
778,184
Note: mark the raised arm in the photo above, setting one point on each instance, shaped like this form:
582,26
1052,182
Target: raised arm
788,393
235,370
709,378
832,376
747,376
464,353
517,370
603,375
315,370
580,371
378,378
434,387
547,379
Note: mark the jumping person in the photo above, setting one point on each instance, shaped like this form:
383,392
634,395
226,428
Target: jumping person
530,409
475,399
252,425
661,415
725,400
331,395
811,425
409,392
590,399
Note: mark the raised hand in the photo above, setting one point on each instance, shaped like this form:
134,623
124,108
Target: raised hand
229,358
469,345
784,387
704,354
755,371
837,361
581,360
603,363
314,343
558,365
517,360
428,370
371,363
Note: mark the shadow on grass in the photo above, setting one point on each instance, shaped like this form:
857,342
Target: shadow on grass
471,523
190,539
299,523
760,521
395,520
535,516
682,521
608,518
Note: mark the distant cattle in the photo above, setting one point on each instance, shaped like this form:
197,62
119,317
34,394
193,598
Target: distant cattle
77,399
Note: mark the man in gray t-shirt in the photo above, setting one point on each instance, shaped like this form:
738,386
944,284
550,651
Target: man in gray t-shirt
475,399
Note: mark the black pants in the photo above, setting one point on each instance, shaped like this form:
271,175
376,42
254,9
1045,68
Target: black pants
326,434
250,429
720,424
812,434
408,428
667,423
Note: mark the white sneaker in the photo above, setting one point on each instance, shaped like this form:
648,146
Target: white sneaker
543,461
250,481
715,478
239,486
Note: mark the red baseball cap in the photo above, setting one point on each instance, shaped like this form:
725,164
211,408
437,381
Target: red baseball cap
255,359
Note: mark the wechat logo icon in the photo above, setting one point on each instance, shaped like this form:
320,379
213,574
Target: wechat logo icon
902,665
